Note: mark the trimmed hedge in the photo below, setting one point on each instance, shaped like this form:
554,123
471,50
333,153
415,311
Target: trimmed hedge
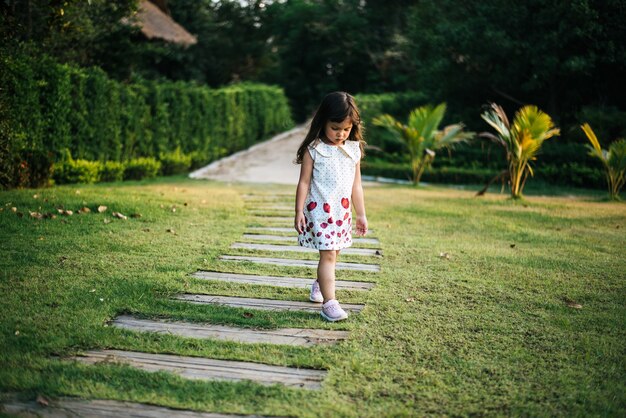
47,107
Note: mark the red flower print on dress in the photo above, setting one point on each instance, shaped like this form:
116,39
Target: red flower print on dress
330,220
319,234
310,224
323,225
346,216
311,206
345,202
339,222
326,208
327,236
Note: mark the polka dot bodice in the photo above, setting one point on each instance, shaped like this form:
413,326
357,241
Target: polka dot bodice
328,205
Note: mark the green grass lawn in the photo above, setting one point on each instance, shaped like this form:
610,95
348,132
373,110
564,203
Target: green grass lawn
526,317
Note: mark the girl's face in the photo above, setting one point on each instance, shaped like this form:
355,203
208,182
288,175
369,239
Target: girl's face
337,132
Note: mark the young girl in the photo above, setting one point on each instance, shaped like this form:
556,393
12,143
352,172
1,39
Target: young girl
330,183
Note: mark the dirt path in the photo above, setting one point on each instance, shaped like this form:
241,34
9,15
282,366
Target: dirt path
267,162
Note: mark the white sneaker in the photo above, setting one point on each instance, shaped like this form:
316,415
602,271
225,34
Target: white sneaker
316,293
331,311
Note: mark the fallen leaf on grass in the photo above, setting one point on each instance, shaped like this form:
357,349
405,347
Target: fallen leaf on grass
77,191
135,215
49,215
65,212
102,208
42,401
35,196
119,215
107,221
445,256
36,215
248,315
171,230
512,245
572,304
14,209
84,209
410,299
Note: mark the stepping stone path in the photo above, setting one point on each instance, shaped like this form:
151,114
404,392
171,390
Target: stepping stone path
262,304
286,336
301,263
198,368
262,237
297,248
276,281
266,207
74,407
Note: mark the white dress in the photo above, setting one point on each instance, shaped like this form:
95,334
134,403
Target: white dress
328,205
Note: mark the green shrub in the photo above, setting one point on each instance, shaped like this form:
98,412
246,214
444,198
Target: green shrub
174,162
141,168
69,171
111,171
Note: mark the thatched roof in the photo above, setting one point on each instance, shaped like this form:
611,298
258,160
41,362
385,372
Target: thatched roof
156,24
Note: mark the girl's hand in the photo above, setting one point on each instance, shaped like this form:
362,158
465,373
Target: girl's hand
299,222
361,225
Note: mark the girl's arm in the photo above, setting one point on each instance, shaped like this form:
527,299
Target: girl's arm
306,170
359,202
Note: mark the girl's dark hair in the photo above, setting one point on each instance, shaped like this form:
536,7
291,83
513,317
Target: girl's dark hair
335,107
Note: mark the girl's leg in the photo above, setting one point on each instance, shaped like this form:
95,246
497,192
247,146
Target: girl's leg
326,273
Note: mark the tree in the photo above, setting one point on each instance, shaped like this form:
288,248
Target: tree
521,140
422,137
613,160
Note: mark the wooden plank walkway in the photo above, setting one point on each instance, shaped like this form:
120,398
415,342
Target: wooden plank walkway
100,408
264,237
293,282
367,252
301,263
199,368
284,336
261,304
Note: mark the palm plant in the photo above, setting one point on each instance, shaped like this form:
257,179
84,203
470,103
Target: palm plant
614,160
521,140
422,137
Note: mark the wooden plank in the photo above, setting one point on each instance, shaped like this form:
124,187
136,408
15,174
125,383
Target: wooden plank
261,304
270,229
294,238
263,229
199,368
273,207
341,265
294,282
274,219
271,213
367,252
284,336
100,408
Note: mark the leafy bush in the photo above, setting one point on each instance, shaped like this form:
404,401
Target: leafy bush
141,168
174,162
112,171
69,171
